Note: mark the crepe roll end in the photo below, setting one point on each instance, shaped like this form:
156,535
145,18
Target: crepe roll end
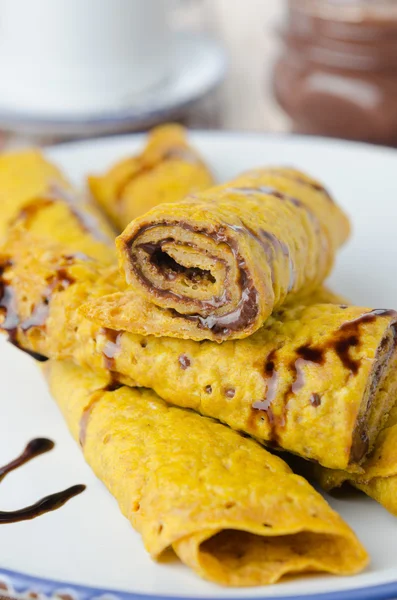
239,558
230,510
381,389
196,278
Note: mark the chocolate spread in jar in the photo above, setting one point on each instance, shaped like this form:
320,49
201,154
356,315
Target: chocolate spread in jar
337,75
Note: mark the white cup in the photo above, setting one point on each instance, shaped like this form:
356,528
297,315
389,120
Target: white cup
81,55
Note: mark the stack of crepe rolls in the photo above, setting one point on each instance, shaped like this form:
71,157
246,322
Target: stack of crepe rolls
317,379
167,170
310,371
309,363
230,510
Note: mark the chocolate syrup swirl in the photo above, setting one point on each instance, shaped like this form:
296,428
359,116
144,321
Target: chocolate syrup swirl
48,503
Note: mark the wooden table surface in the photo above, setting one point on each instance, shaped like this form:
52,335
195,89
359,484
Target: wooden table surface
248,31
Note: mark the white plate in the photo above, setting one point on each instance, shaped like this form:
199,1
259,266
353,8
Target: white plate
198,65
88,543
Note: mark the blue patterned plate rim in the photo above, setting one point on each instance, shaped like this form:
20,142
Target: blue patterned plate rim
19,583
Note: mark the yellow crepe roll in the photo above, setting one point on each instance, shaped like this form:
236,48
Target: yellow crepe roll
35,195
379,476
166,171
316,379
217,264
23,176
231,511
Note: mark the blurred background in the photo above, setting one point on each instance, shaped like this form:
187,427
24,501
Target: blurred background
98,67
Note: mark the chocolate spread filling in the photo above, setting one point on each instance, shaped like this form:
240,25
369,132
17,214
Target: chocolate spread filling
239,318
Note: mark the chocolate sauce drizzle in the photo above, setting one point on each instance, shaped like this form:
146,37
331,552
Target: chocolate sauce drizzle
346,337
184,361
87,220
269,242
48,503
9,309
29,211
112,347
271,377
112,386
59,281
181,153
299,179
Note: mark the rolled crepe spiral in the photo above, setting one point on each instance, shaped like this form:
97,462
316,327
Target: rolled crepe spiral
216,265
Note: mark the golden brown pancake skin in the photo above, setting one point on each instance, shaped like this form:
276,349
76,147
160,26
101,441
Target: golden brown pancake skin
231,511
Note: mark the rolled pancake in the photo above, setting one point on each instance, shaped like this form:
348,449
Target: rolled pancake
167,170
23,176
35,194
379,476
317,380
231,511
217,264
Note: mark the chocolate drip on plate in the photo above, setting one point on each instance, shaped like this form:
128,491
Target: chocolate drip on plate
34,448
49,503
45,505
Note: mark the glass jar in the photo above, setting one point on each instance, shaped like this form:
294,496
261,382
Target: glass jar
337,75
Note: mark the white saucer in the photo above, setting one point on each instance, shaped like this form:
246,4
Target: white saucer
199,64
